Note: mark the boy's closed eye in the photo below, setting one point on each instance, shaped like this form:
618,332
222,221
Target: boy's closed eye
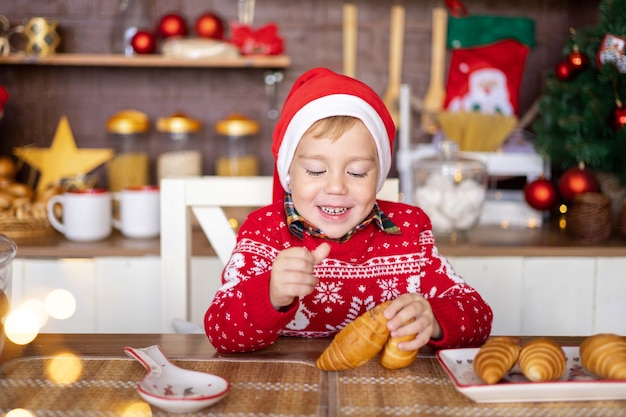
314,173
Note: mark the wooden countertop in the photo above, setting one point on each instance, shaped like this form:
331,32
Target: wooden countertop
184,346
483,241
66,375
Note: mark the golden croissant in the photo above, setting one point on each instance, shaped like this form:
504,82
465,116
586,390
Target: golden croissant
542,359
604,354
495,358
356,343
394,358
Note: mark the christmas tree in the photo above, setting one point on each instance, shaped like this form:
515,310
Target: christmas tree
583,107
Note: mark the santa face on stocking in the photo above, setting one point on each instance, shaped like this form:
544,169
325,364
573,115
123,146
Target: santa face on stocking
487,93
486,79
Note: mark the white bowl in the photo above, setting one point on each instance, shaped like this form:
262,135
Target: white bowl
176,389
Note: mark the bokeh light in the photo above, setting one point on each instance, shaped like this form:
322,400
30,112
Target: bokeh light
138,409
37,307
20,412
21,326
60,304
64,368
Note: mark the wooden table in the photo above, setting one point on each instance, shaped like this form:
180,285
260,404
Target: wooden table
280,380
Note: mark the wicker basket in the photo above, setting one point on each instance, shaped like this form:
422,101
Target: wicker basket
15,228
589,219
621,221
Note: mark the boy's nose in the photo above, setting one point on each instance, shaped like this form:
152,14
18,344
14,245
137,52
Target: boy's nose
336,184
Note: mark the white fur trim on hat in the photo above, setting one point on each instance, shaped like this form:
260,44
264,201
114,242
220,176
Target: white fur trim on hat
327,106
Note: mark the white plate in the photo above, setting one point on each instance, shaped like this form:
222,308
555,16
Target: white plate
576,384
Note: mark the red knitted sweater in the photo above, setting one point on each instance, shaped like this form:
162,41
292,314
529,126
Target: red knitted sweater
368,269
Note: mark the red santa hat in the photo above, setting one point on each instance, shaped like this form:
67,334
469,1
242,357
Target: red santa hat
320,93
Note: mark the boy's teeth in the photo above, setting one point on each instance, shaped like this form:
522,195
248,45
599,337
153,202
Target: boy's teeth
333,210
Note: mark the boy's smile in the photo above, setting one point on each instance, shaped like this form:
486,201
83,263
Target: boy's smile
333,182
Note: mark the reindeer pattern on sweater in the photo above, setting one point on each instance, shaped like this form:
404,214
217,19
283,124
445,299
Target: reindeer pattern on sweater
368,269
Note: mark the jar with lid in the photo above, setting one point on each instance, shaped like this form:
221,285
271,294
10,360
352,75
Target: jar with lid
237,154
180,146
451,190
129,137
8,250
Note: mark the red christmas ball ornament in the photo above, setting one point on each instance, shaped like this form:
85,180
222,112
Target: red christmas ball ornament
577,61
563,71
172,24
144,42
619,117
541,194
209,25
577,180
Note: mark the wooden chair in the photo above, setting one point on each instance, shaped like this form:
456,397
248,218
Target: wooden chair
205,197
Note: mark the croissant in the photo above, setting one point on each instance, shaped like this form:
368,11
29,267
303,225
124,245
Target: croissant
542,359
604,354
356,343
495,358
394,358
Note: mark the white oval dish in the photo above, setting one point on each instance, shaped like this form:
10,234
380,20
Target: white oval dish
175,389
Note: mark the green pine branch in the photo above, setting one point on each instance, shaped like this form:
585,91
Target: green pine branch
576,115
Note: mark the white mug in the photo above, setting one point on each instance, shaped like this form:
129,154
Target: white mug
86,214
138,211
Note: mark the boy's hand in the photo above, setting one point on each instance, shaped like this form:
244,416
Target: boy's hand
292,274
415,311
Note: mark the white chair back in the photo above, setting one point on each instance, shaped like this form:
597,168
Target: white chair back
205,197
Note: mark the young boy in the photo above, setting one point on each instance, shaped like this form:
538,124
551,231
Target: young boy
326,250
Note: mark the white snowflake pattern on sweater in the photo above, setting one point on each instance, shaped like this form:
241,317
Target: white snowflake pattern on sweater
368,269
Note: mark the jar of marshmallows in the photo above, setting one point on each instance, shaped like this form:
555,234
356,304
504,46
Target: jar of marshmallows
451,189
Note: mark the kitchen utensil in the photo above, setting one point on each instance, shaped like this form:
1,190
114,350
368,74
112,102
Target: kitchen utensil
272,79
436,92
175,389
396,45
350,17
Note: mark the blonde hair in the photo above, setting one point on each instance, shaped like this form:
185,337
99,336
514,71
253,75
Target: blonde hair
331,127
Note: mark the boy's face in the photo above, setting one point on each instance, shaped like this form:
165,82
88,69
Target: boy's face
333,182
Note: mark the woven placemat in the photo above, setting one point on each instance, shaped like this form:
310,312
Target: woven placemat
107,387
424,389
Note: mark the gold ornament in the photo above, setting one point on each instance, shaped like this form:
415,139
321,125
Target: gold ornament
62,159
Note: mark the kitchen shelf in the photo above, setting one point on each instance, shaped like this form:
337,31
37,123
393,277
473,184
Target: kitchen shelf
155,61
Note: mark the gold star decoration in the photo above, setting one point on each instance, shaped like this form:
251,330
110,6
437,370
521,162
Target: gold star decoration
62,159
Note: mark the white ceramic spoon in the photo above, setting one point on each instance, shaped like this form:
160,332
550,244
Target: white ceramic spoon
175,389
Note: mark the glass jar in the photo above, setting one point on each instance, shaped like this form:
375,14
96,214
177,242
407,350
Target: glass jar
451,190
237,153
8,249
129,137
130,17
180,147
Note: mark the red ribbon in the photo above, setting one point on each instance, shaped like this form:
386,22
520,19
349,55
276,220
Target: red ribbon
456,8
